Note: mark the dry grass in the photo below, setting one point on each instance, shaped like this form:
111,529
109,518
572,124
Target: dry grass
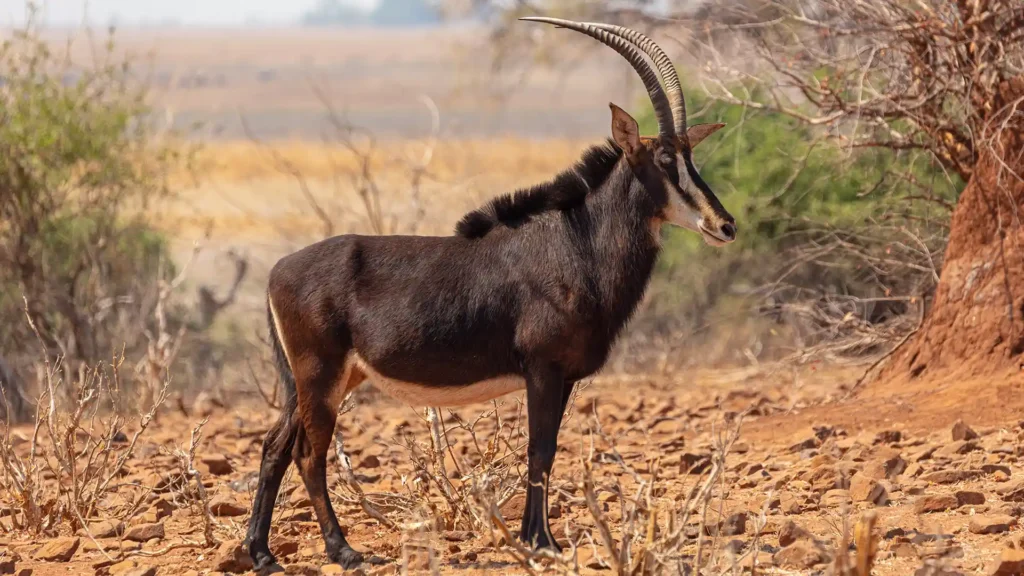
454,160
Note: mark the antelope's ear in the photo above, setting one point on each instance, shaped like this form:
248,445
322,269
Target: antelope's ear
698,132
625,131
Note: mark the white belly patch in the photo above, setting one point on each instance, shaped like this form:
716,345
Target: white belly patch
426,395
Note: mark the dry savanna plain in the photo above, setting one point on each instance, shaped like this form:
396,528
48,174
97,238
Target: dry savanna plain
771,468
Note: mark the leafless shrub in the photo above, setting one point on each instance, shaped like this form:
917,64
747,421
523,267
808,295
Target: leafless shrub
83,445
193,494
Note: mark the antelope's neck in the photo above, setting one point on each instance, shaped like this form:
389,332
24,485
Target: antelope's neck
626,246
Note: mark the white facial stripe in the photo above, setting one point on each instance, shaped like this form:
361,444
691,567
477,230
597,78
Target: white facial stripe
678,212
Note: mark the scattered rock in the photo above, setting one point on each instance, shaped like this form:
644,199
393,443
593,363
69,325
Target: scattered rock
284,548
299,499
1011,563
791,532
935,503
789,503
224,506
1012,492
587,558
888,437
950,476
953,449
515,507
805,445
216,464
800,555
690,463
864,489
457,535
105,529
145,532
963,432
936,570
969,498
58,550
835,498
991,524
369,462
734,525
887,464
302,569
232,557
7,565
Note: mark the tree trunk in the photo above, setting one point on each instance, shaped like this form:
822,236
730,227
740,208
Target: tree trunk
976,321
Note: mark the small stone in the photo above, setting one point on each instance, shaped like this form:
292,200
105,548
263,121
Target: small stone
299,499
835,498
369,462
888,437
105,529
953,449
58,550
936,570
1011,563
457,535
690,463
800,555
332,570
224,506
789,503
790,532
864,489
232,557
734,525
994,524
145,532
994,468
887,464
7,566
963,432
284,548
586,557
302,569
514,507
216,464
969,498
950,476
935,503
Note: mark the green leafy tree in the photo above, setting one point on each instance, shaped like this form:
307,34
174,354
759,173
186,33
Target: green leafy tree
81,163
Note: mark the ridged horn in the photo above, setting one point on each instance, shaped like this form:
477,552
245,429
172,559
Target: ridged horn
662,108
665,67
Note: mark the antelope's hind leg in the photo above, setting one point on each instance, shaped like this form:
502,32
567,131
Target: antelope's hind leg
319,408
277,448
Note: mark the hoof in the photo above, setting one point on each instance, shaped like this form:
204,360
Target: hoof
263,562
346,557
540,541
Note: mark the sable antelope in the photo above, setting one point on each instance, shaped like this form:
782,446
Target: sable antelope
530,292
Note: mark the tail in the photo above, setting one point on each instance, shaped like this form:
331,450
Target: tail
284,370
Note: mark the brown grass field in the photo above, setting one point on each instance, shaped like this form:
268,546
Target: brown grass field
649,472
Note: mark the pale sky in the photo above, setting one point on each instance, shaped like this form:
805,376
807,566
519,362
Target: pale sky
186,12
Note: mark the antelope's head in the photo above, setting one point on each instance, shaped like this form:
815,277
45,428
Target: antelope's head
664,164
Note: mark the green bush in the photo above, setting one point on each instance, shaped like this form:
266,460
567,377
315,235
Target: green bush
820,226
80,163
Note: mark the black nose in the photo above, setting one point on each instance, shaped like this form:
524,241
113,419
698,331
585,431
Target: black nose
729,231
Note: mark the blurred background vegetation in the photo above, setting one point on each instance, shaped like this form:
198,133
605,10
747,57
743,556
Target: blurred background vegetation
104,188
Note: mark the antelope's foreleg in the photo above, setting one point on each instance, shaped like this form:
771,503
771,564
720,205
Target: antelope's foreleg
545,401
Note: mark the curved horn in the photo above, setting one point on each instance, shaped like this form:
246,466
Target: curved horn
665,68
662,108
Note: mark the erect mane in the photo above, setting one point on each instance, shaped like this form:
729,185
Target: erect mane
566,190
